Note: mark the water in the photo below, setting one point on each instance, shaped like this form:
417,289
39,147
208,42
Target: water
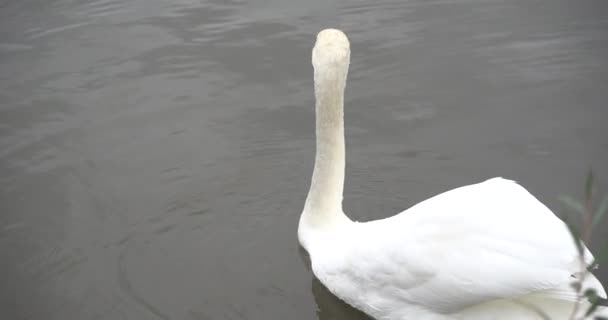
155,155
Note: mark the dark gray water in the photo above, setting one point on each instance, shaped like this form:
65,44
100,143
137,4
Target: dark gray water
155,155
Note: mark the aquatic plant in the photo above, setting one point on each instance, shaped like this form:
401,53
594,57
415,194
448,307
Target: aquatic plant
588,220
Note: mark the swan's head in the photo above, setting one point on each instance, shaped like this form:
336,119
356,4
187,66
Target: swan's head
332,50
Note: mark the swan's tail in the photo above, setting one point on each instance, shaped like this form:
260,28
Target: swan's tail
530,308
554,304
564,294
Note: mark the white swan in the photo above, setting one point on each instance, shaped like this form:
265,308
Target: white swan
485,251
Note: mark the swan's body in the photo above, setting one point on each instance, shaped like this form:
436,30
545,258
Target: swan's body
485,251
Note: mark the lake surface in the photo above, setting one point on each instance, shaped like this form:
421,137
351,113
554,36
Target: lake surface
155,155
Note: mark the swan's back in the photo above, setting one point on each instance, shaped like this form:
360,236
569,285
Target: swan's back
466,251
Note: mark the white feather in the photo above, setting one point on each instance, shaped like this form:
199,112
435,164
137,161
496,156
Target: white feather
485,251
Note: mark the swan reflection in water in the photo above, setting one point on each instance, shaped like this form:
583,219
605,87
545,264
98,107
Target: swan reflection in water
332,308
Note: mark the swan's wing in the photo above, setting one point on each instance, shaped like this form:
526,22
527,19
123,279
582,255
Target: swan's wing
473,244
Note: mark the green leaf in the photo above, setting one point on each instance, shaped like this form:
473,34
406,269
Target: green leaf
594,300
601,257
594,304
601,211
589,185
573,204
590,293
577,240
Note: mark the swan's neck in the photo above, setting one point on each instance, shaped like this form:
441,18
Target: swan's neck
323,206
